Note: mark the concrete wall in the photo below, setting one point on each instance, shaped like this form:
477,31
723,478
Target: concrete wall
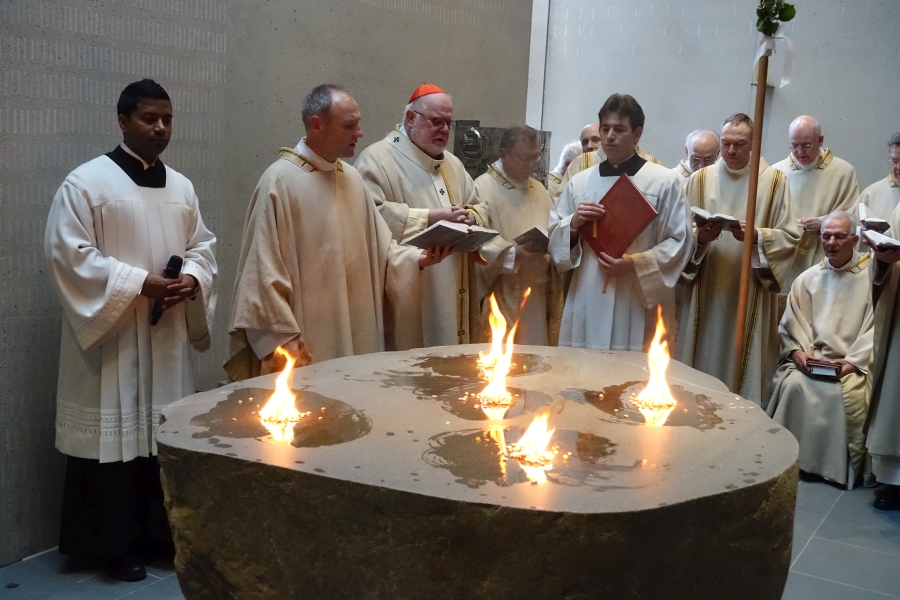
236,72
689,64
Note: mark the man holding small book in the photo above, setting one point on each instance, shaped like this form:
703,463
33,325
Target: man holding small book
883,196
821,386
518,206
611,304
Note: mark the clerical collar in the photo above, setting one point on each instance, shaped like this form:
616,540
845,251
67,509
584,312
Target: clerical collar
142,174
498,166
814,164
854,261
630,167
737,172
314,159
400,140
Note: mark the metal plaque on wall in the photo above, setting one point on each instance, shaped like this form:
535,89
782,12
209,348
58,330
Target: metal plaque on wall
477,147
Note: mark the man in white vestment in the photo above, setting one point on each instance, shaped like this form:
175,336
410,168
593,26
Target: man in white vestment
318,273
554,177
829,317
611,302
592,154
708,316
883,428
820,183
701,149
127,331
516,203
416,183
883,196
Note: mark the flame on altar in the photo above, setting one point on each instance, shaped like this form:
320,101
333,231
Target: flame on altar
279,414
655,401
532,450
496,363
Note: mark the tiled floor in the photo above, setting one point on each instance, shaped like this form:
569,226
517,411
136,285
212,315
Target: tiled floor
844,549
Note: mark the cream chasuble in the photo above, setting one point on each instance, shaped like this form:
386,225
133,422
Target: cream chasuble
883,440
882,197
624,317
707,327
828,186
513,209
682,170
554,184
104,234
829,315
406,183
585,161
317,260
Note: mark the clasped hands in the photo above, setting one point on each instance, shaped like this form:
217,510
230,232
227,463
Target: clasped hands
169,292
799,358
589,212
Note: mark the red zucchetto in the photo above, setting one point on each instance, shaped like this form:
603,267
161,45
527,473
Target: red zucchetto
424,90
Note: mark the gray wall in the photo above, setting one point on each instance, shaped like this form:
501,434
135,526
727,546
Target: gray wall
236,72
689,64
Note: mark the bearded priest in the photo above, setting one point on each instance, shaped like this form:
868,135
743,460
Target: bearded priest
712,277
611,302
416,183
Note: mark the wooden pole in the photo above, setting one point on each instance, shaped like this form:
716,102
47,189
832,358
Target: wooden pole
762,72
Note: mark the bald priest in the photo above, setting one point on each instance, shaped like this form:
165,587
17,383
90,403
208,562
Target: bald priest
318,273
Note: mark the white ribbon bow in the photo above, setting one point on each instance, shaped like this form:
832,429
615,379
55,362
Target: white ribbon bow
767,48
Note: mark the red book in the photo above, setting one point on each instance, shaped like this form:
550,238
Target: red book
627,214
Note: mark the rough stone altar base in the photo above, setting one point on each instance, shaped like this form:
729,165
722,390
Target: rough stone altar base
398,491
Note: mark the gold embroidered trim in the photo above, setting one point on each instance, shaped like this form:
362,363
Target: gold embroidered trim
298,159
698,286
501,179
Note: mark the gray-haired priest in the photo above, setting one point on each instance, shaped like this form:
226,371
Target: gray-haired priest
829,317
707,328
416,183
516,203
820,183
701,149
611,302
318,273
114,226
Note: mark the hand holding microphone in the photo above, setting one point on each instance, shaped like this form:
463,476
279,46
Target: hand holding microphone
169,289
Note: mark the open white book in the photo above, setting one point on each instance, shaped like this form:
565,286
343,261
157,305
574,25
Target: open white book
880,241
537,236
463,238
703,216
870,221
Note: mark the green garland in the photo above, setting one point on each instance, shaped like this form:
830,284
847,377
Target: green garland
771,13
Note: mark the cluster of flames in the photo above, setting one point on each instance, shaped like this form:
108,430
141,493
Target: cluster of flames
279,414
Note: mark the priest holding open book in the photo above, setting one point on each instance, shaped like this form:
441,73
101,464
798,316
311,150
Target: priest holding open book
611,304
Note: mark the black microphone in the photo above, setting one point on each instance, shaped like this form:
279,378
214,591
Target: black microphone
173,270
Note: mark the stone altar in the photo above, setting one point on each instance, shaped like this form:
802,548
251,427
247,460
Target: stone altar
394,486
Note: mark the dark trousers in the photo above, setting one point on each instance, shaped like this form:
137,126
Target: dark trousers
112,509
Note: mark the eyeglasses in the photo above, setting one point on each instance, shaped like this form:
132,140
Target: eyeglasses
436,121
838,237
803,147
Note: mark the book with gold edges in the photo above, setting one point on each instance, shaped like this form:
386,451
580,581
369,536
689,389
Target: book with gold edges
628,213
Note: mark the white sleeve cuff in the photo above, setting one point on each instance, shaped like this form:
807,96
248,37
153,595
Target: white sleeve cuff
758,259
509,262
264,343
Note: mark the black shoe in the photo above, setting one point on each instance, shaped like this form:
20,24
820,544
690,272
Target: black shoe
124,568
888,498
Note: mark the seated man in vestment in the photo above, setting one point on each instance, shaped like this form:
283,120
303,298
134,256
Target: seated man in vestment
611,302
127,332
515,203
829,317
318,272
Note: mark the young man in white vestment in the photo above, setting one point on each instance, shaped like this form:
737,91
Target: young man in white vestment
318,272
829,317
515,203
592,154
883,196
127,331
712,278
701,149
416,183
622,316
820,183
883,428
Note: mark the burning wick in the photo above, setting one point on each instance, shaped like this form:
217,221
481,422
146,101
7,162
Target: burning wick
655,401
496,363
531,450
279,413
